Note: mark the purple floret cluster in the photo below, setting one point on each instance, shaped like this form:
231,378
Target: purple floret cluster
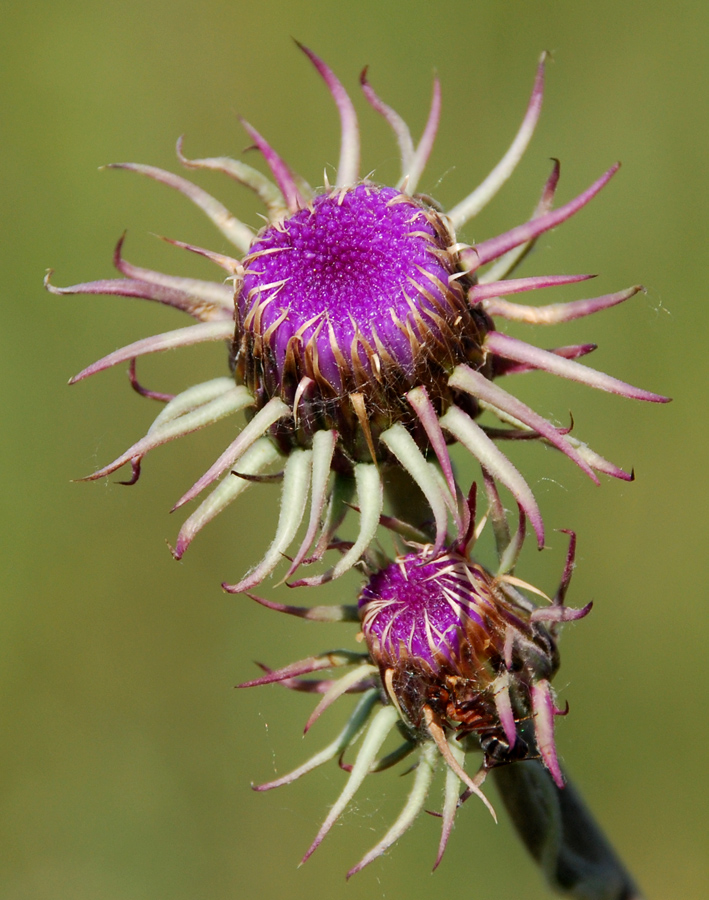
347,270
417,609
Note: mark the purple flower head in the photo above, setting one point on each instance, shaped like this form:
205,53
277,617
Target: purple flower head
349,262
354,295
459,661
430,613
363,338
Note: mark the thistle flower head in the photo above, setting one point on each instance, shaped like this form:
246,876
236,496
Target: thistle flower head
362,336
442,631
354,294
459,660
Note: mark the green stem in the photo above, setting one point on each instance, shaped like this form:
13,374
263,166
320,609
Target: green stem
562,835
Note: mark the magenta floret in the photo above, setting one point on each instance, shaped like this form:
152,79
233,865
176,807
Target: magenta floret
418,610
349,261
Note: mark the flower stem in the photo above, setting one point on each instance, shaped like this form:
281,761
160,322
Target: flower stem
562,835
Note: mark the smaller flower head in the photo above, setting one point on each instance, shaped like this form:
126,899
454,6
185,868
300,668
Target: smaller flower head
446,637
459,660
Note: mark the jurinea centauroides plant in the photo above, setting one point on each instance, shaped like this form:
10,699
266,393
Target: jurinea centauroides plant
363,340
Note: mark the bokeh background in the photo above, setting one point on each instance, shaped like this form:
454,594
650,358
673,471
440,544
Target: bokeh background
126,753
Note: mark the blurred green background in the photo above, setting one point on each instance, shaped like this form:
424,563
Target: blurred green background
126,753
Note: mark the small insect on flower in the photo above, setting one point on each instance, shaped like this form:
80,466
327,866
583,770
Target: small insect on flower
458,661
362,337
